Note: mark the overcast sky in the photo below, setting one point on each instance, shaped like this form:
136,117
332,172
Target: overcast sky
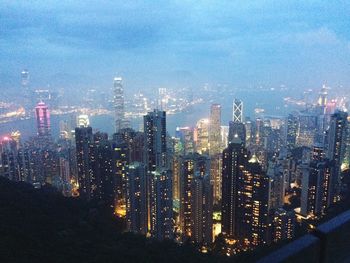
169,43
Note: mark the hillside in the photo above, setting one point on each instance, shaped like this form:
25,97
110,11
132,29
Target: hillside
43,226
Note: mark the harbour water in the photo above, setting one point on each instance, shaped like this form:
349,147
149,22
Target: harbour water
271,101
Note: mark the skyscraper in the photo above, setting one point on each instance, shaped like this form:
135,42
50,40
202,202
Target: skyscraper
83,120
322,100
104,169
119,104
159,177
201,210
291,130
245,195
155,140
161,205
236,130
336,148
215,129
234,155
192,165
121,159
202,142
42,115
237,114
136,205
85,161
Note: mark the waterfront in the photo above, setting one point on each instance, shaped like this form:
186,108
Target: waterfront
105,123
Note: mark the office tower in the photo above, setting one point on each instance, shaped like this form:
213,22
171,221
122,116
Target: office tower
233,155
248,131
336,149
283,225
237,115
186,136
83,120
236,130
245,195
291,131
215,129
42,119
159,177
322,99
202,139
119,104
136,205
192,165
201,210
85,161
224,136
216,178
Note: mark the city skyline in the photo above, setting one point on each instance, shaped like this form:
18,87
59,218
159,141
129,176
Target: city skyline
175,131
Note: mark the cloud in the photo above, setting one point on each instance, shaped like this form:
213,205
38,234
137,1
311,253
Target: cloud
231,40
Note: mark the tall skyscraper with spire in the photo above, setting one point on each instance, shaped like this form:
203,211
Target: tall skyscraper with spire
120,122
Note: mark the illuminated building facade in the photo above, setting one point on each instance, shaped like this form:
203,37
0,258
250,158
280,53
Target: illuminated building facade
201,210
42,115
193,165
316,193
237,114
85,162
216,178
337,135
283,225
159,177
202,140
136,205
215,129
245,196
120,121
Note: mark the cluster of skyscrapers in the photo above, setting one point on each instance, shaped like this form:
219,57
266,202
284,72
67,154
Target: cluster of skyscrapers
168,187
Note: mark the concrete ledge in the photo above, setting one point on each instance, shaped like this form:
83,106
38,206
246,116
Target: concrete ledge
335,239
304,249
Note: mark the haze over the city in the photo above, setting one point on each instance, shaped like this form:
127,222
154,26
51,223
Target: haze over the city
71,44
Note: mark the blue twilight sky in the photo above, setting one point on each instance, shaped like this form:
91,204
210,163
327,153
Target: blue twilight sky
171,43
